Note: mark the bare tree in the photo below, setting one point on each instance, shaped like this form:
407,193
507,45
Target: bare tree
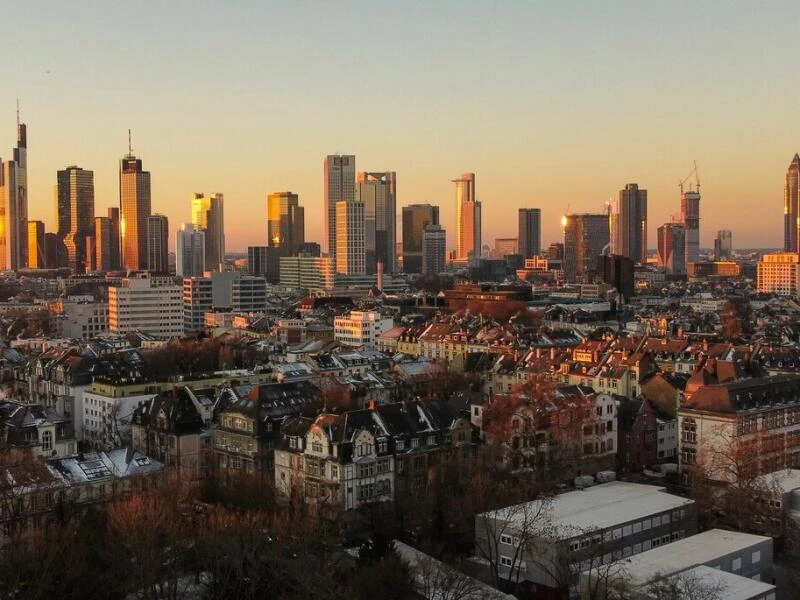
688,585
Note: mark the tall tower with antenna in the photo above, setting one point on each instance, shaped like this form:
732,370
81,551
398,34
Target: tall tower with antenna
134,209
14,203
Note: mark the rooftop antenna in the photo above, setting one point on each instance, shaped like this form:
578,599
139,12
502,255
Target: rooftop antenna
17,113
130,147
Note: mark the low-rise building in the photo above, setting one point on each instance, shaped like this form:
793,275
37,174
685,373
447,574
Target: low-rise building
148,304
361,328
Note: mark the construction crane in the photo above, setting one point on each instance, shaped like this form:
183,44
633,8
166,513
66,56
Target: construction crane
696,174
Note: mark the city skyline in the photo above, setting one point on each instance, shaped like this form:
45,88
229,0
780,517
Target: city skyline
627,116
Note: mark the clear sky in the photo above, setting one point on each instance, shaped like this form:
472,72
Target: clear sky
554,105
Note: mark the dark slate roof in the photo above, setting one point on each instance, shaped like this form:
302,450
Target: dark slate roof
758,393
178,408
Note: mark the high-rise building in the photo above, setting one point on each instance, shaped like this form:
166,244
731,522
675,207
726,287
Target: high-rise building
190,251
350,259
672,247
257,260
616,271
629,224
153,305
209,215
585,238
378,192
36,249
791,207
339,184
779,273
555,251
91,253
434,249
530,232
14,204
228,291
285,230
157,244
723,245
134,208
690,217
115,260
308,272
468,218
416,217
55,254
103,243
75,206
505,247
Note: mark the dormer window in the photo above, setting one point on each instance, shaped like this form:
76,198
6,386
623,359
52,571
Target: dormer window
293,442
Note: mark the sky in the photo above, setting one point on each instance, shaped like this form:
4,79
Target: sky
555,105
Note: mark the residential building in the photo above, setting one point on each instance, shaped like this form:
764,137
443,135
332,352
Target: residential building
145,303
78,319
791,207
378,193
638,435
594,524
14,204
257,260
779,273
75,197
36,246
434,249
158,244
530,232
350,250
690,218
361,328
308,272
41,429
628,224
209,215
672,247
585,238
135,208
190,251
468,218
416,217
723,245
339,184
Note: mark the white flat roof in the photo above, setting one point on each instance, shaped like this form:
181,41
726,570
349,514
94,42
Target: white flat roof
599,507
680,555
785,480
729,585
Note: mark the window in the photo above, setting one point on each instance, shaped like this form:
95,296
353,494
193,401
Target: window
505,539
47,440
316,446
506,561
756,556
400,445
737,564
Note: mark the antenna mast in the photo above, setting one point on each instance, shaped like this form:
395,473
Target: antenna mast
130,147
17,113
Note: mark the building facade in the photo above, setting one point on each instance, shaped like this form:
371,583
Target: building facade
285,230
350,250
135,208
339,184
468,218
14,204
791,207
723,245
530,232
75,204
308,272
190,251
672,247
145,303
361,328
416,217
628,223
585,238
209,215
378,192
158,244
690,217
36,248
434,249
779,273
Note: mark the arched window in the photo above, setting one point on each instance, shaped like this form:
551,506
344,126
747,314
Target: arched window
47,440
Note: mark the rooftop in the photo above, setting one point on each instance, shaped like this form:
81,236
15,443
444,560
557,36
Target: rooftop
730,586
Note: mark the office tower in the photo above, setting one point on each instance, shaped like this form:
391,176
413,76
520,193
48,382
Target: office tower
115,262
690,217
629,224
617,271
209,215
506,247
134,209
190,251
339,184
723,245
555,251
285,230
157,244
54,252
585,238
309,249
228,291
148,304
90,259
104,242
416,217
36,245
257,260
378,192
14,204
75,206
308,272
434,249
791,207
672,247
468,218
350,238
530,232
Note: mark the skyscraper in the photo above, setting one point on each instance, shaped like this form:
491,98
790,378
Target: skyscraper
468,218
209,215
585,238
257,260
723,245
285,230
350,238
378,192
75,206
134,208
157,244
14,204
629,224
115,262
434,249
339,184
690,217
190,251
104,242
791,207
672,247
529,239
36,257
415,218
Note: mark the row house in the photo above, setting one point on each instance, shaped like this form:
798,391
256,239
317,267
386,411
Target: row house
248,422
340,462
59,377
41,429
741,428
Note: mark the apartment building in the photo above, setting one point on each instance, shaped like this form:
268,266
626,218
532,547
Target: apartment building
146,304
361,328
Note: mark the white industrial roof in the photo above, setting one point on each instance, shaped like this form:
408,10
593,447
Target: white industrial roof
598,507
784,480
728,586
